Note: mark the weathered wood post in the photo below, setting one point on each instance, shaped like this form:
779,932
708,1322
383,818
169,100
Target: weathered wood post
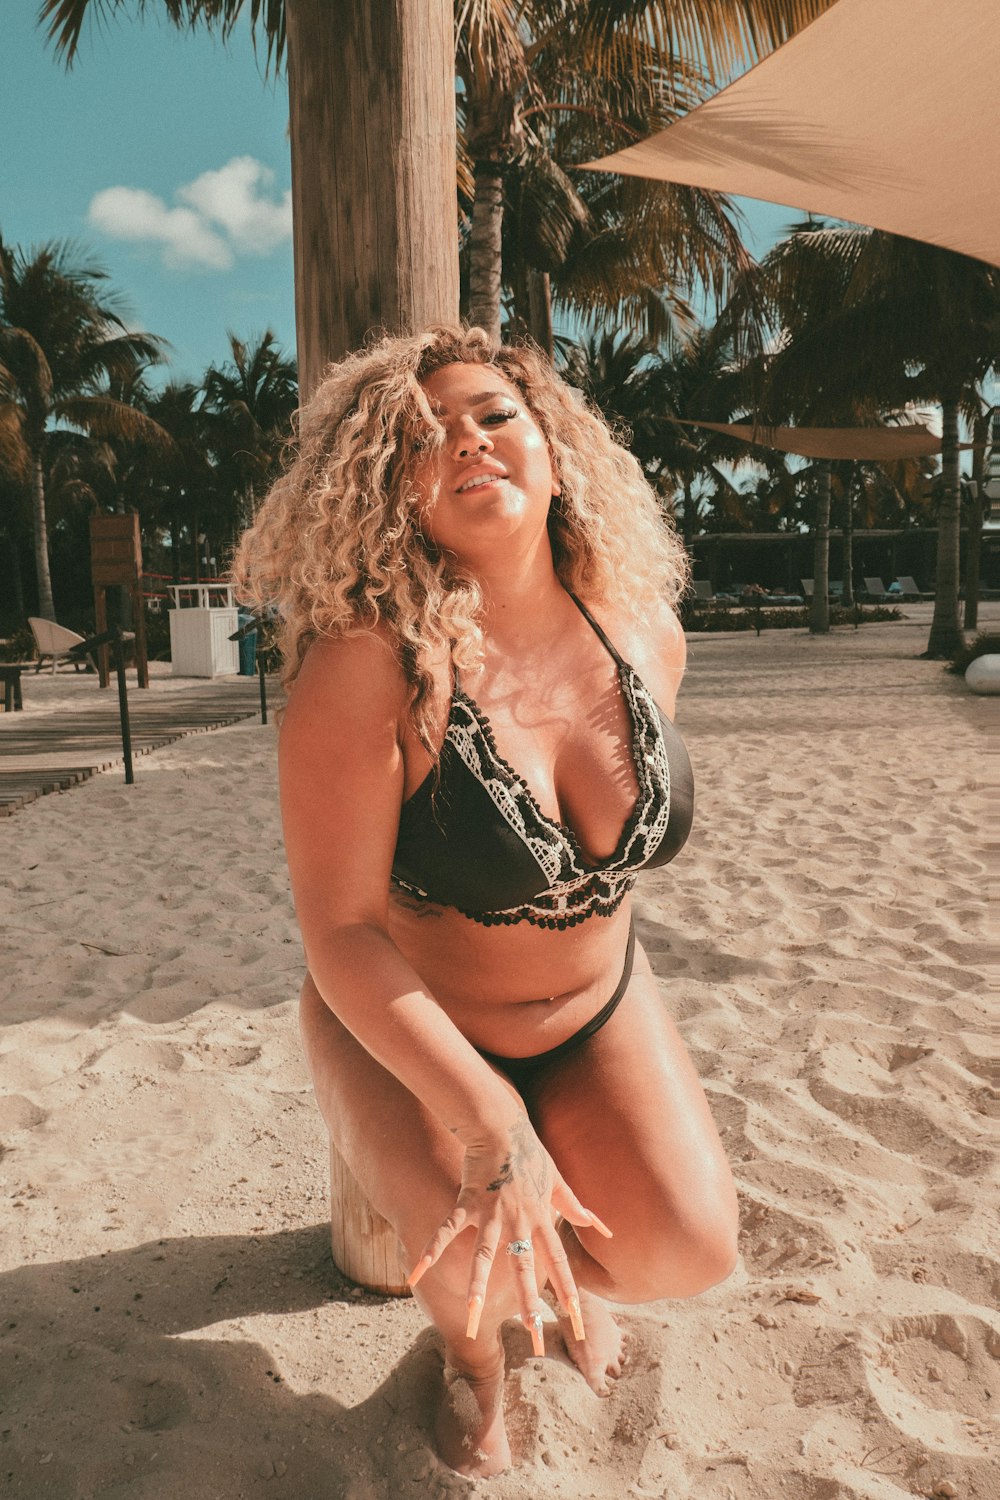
371,92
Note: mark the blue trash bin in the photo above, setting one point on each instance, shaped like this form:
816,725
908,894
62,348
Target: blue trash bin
248,647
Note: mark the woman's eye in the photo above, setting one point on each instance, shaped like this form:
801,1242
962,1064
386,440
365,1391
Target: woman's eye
502,414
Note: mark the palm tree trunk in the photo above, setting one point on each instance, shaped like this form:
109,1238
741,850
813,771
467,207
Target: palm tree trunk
540,307
847,598
371,95
688,520
14,578
980,437
819,614
46,606
175,548
485,253
973,558
946,632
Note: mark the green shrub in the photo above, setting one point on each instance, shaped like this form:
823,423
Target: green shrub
984,644
18,647
738,617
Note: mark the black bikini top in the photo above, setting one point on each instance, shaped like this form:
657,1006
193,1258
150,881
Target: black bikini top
478,840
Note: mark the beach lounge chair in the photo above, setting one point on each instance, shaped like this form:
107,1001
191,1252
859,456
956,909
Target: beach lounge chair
702,589
875,589
909,589
833,592
55,641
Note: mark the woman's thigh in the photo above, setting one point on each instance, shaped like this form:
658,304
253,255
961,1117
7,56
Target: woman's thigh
626,1120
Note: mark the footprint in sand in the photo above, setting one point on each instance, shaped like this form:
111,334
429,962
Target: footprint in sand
933,1380
19,1113
138,1056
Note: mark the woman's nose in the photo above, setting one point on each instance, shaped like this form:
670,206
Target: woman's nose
469,438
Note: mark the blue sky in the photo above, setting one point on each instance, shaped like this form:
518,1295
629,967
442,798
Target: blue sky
164,155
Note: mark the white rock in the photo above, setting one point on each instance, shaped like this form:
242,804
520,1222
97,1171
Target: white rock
983,675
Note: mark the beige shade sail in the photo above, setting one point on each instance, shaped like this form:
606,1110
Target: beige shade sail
882,444
882,112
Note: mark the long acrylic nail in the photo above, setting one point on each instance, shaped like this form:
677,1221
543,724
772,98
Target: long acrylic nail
422,1265
601,1227
533,1323
576,1319
475,1313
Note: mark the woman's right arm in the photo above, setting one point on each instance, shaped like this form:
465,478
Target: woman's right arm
341,775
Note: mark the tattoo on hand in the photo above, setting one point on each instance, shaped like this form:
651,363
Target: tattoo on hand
527,1162
529,1158
504,1176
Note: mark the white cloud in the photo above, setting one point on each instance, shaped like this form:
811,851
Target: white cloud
218,216
133,214
233,197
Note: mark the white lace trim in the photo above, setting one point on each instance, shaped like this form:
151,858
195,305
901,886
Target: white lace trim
552,847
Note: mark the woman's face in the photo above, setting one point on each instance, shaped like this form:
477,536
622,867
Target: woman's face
493,477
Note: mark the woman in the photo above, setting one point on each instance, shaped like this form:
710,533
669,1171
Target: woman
475,760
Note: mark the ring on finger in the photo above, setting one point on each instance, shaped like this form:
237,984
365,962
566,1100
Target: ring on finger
519,1247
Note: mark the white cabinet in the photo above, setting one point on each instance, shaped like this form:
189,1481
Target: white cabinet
201,622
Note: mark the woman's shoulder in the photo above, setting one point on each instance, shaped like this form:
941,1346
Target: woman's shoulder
359,674
654,644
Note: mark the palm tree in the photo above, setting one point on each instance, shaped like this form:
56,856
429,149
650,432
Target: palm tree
871,321
374,245
547,84
377,247
15,501
62,340
249,402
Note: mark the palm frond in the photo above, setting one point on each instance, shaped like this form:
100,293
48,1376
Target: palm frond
103,417
65,20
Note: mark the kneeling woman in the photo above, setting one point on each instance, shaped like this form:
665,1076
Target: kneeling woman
476,760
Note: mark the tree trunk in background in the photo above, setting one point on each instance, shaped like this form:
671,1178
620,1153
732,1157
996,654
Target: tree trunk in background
980,437
540,303
819,614
687,523
485,253
46,607
14,579
946,632
847,597
371,93
175,548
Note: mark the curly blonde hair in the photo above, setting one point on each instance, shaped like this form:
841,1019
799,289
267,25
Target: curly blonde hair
336,547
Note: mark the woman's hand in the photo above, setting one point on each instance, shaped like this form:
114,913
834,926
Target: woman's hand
511,1193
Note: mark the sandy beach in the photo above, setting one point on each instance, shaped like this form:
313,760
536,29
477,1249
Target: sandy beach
172,1324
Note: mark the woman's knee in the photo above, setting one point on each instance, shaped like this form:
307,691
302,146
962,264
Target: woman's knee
677,1255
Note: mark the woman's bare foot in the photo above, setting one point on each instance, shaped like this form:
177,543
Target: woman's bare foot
469,1431
600,1356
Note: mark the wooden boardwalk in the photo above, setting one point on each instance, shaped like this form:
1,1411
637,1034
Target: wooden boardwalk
49,752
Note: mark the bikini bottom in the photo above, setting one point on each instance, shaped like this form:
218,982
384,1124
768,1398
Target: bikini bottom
522,1070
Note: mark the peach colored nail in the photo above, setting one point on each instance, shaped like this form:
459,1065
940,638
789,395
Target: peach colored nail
534,1327
601,1227
475,1313
422,1265
576,1318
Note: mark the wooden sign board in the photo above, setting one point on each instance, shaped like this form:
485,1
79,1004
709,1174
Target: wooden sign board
116,559
115,549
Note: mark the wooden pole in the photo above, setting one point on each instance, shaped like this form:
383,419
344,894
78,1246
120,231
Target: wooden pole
364,1245
100,628
371,92
139,620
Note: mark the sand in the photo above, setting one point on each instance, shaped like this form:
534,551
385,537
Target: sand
171,1322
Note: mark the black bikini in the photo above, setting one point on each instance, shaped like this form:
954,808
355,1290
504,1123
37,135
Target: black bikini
474,838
